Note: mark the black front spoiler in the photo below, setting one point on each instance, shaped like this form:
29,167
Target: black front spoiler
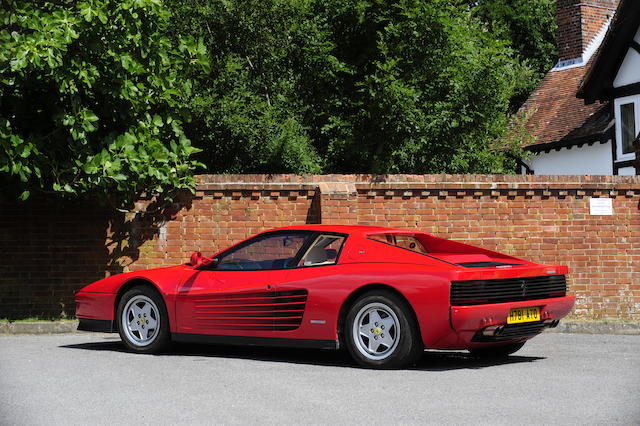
103,326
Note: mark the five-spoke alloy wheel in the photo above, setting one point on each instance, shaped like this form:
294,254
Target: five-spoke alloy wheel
142,320
377,329
380,331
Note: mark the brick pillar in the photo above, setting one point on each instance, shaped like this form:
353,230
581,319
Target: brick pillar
338,203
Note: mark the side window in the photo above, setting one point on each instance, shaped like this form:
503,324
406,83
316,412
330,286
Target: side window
266,252
323,251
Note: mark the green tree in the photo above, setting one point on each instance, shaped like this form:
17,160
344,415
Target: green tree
349,86
529,26
271,63
91,99
430,93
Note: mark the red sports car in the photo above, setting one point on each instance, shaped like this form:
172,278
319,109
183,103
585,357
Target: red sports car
384,294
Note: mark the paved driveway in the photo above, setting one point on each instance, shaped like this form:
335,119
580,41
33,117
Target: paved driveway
89,379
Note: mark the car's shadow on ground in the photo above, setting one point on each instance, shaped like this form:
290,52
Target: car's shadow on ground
430,361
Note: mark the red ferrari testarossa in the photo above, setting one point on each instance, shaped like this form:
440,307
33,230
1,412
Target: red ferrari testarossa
383,294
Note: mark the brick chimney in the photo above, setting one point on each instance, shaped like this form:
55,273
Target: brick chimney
579,22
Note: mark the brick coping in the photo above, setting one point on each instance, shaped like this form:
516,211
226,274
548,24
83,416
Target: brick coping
391,178
366,182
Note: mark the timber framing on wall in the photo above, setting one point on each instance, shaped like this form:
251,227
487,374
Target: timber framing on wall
598,82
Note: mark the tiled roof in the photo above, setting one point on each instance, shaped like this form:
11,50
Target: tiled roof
557,115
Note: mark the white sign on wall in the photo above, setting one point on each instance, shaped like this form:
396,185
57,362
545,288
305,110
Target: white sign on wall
601,206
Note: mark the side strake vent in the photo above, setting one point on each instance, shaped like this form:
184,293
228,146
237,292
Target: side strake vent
507,290
277,311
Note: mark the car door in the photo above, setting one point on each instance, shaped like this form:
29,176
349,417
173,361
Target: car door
236,294
321,280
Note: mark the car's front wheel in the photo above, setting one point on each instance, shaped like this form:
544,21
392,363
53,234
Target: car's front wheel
380,331
142,320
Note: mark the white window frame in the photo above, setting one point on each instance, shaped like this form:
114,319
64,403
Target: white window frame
635,99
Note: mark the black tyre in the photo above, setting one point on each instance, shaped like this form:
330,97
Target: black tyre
143,322
381,332
501,351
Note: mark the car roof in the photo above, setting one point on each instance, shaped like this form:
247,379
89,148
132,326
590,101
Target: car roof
348,229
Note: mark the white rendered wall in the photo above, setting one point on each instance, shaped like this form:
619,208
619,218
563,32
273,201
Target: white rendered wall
627,171
629,71
585,160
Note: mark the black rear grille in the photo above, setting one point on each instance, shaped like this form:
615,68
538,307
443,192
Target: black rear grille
481,292
512,332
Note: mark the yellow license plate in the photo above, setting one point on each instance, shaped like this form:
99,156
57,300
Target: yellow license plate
518,315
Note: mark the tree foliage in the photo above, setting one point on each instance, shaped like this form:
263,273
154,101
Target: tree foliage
91,98
348,86
529,26
104,96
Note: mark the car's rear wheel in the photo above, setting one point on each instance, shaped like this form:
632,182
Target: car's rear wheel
143,323
380,331
501,351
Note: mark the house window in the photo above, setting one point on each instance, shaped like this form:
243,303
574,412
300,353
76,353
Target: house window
627,112
628,126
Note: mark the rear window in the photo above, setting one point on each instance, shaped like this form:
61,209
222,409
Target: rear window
405,241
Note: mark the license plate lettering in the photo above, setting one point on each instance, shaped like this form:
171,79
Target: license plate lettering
519,315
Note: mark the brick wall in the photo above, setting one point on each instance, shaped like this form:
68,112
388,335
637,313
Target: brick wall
49,250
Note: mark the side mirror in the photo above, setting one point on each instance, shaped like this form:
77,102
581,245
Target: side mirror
196,258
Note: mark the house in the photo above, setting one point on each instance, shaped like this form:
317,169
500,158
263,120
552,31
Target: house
585,114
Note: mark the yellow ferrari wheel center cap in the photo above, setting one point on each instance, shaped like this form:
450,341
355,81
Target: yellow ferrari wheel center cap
378,331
